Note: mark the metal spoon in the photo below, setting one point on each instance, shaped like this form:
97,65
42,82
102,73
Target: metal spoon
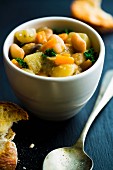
75,158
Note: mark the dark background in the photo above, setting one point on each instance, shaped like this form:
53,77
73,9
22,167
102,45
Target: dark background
50,135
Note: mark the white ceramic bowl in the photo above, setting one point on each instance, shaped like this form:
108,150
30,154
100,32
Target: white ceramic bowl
55,98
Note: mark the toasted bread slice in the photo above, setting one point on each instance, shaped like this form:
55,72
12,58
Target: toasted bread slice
9,113
90,11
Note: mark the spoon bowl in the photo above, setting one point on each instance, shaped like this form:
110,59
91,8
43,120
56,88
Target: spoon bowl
75,158
67,158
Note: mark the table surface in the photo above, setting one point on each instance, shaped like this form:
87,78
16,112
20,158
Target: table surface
50,135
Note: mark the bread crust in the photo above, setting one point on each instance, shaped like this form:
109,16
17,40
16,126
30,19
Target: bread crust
92,14
8,156
9,113
19,113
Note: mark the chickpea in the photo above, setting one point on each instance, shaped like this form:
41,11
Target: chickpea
78,43
16,51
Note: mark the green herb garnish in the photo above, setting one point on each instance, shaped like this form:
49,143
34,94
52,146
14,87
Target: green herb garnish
49,53
91,55
21,62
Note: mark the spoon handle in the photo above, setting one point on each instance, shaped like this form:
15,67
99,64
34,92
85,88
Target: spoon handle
108,94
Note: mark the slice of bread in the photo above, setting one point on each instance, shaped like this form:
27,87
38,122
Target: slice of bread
90,11
9,113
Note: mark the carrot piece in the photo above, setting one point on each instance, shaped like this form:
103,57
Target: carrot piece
63,59
64,36
41,37
49,44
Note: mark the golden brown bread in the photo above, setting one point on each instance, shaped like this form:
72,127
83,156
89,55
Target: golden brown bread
9,113
90,11
8,155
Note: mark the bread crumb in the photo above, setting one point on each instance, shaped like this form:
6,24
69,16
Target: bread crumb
32,145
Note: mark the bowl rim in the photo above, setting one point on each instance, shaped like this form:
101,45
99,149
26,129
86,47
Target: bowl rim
57,18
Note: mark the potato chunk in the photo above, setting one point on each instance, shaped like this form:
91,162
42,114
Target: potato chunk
64,70
26,36
79,58
34,62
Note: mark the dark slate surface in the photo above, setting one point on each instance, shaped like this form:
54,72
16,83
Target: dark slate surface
48,135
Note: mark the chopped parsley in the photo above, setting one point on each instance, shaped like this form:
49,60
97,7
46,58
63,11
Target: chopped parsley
21,62
49,53
91,55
